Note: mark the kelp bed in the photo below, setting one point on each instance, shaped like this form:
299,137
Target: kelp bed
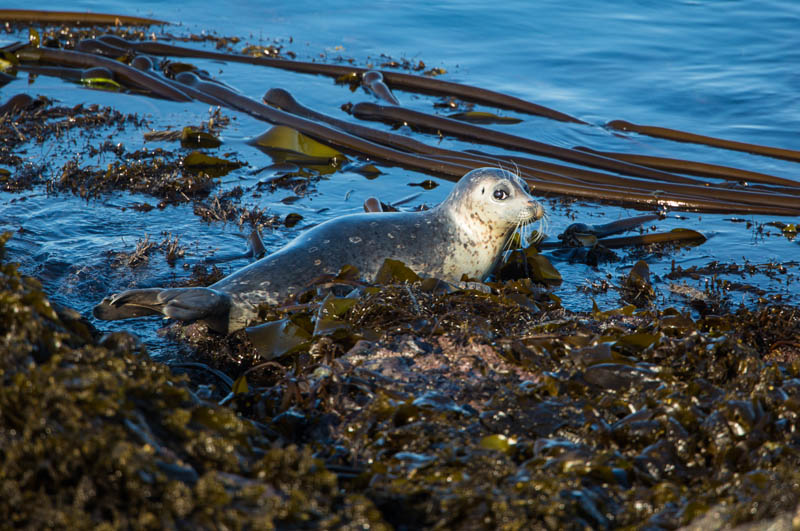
109,61
407,404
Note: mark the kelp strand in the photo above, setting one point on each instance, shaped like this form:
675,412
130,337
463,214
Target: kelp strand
692,138
580,182
701,169
75,17
127,74
395,80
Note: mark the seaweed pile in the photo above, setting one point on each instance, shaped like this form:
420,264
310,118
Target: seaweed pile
408,404
504,410
461,410
94,432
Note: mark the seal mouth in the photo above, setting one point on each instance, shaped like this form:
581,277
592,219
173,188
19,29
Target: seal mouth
533,211
536,208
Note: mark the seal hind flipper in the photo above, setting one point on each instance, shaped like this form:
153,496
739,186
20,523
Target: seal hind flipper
129,304
191,304
184,304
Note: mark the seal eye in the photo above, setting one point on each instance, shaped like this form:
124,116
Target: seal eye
500,194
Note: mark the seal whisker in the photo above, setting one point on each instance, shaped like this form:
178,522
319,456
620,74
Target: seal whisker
526,231
543,226
519,230
542,229
536,232
509,241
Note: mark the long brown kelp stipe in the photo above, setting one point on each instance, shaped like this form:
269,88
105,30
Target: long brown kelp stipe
393,79
132,76
635,180
683,136
700,169
453,164
544,176
75,18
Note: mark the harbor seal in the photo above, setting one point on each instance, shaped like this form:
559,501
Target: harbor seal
464,235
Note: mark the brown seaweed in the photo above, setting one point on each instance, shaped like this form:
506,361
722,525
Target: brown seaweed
701,169
393,79
75,18
683,136
679,191
132,76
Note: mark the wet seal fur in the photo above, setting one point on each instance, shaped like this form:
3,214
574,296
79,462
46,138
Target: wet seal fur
464,235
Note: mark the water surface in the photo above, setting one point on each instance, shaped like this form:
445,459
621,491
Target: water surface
726,69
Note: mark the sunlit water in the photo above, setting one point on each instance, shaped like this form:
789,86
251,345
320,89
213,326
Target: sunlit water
726,69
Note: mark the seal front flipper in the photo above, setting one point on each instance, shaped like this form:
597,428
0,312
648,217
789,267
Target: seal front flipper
185,304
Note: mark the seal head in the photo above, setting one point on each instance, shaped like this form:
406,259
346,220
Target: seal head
487,206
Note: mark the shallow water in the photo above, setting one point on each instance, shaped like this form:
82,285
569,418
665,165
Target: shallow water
721,69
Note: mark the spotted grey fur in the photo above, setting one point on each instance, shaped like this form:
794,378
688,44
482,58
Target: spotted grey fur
463,235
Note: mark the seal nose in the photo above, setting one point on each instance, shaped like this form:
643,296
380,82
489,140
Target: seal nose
536,208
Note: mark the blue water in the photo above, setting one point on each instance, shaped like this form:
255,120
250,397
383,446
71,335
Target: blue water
726,69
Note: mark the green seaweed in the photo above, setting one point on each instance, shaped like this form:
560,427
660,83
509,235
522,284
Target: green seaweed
194,138
197,162
285,144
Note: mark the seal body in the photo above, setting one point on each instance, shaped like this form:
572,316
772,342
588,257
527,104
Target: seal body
463,235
